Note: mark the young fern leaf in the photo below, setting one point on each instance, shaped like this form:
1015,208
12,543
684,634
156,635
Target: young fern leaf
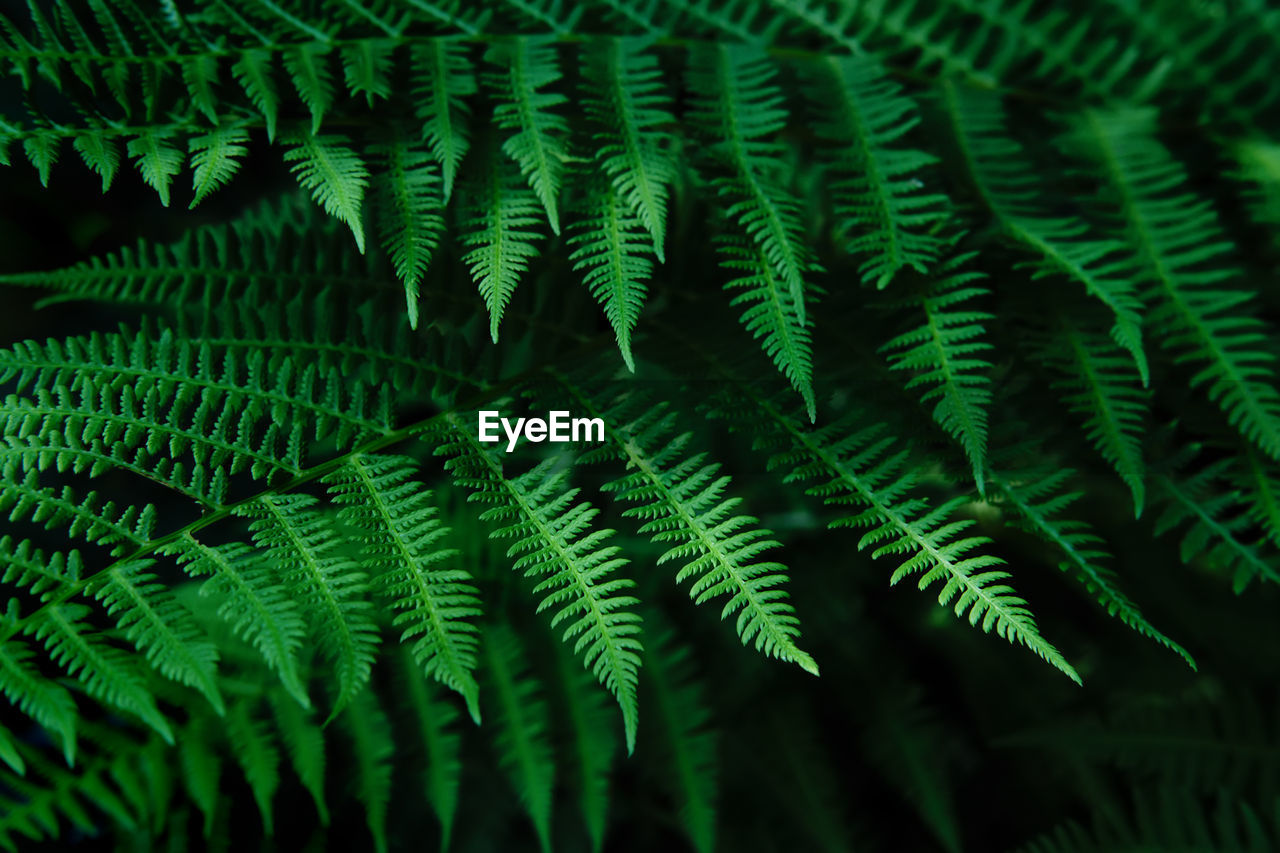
521,740
381,498
680,499
625,97
689,744
213,156
158,161
739,109
946,355
613,256
442,83
538,142
334,174
158,625
253,71
1037,499
594,742
304,547
554,540
1215,521
100,153
409,213
442,744
881,214
1185,252
308,67
42,699
770,315
366,67
855,466
258,756
304,743
1101,386
1062,246
499,231
372,745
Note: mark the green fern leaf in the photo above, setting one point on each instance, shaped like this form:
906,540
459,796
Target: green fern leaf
946,356
42,699
158,626
308,67
499,232
555,541
689,744
881,214
371,740
408,209
304,743
366,66
1183,248
594,742
200,73
434,717
538,142
158,161
521,740
213,156
771,316
625,97
1102,387
442,82
380,498
253,71
41,148
1063,246
256,752
739,108
1037,498
612,254
334,174
100,153
304,548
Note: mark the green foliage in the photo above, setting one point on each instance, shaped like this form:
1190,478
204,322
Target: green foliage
859,293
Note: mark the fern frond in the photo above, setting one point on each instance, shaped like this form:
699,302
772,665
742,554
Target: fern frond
408,209
254,73
334,174
107,673
739,109
498,229
855,466
945,354
43,700
1184,250
308,67
1214,518
248,598
613,257
538,141
366,67
680,498
150,618
1037,497
305,745
401,534
627,100
594,742
371,741
555,540
305,548
771,316
213,158
521,740
882,217
258,756
1062,246
442,744
443,80
1103,387
157,159
690,745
